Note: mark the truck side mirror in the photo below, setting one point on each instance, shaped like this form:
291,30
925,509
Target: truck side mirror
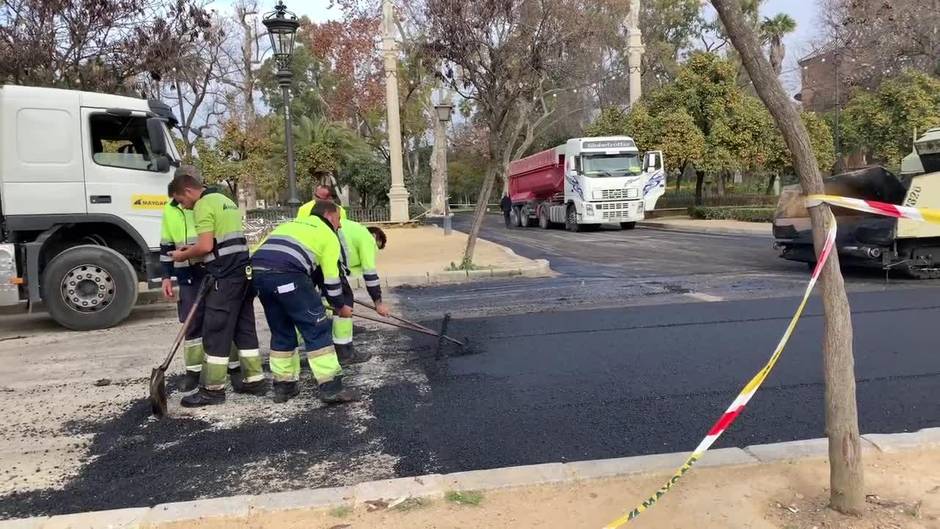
157,137
161,163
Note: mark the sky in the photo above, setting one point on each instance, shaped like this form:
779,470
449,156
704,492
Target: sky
799,43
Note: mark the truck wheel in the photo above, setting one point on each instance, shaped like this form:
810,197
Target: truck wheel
571,220
89,287
544,222
514,217
921,272
627,225
525,220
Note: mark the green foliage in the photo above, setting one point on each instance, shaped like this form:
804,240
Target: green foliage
464,497
611,122
306,96
370,178
883,122
732,213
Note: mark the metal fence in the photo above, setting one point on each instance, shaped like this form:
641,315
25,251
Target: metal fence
259,222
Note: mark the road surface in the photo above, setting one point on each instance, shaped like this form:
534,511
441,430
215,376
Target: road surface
558,385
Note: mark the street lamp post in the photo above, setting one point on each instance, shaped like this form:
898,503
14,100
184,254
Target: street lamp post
282,27
443,111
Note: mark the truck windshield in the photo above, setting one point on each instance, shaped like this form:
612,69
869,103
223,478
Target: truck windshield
611,164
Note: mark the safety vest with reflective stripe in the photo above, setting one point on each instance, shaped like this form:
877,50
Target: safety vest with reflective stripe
307,245
215,213
177,229
361,251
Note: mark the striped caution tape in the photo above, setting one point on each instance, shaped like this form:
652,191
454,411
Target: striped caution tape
879,208
736,407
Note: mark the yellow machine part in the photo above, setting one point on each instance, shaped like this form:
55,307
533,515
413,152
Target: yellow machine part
924,192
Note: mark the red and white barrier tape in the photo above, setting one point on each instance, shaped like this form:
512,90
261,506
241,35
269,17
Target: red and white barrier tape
879,208
737,406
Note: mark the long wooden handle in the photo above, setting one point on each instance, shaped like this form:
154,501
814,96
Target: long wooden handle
203,288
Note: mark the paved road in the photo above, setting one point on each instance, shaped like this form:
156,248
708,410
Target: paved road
541,386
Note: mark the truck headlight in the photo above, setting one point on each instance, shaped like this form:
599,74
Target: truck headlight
588,209
633,193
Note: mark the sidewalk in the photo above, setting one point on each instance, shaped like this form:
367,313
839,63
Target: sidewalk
422,255
718,227
774,486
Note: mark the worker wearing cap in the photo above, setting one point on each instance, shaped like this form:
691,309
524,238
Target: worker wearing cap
297,257
361,247
229,312
321,192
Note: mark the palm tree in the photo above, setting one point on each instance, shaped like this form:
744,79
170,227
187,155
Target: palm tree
773,30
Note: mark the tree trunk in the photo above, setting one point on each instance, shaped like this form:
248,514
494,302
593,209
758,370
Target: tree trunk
439,169
699,184
770,183
679,176
721,183
479,213
846,476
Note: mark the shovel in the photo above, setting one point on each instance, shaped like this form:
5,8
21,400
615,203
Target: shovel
158,374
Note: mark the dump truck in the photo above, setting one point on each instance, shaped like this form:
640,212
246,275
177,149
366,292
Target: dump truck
869,240
585,183
83,183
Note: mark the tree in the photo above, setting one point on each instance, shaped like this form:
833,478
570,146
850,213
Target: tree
773,30
883,122
780,160
95,45
510,58
886,37
669,27
846,478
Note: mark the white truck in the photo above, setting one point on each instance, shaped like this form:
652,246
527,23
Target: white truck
585,183
83,182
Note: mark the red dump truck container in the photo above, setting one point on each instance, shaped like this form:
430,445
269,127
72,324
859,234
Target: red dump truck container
537,177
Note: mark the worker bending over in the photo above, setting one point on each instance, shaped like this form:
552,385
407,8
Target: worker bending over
229,314
284,268
361,247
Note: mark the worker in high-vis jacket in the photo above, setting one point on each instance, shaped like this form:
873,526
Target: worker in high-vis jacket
292,261
361,246
178,230
229,312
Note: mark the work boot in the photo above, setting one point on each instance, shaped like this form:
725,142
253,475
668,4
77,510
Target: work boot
333,392
284,391
348,355
235,376
258,389
190,381
203,397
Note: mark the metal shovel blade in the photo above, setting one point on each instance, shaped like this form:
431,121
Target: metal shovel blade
158,392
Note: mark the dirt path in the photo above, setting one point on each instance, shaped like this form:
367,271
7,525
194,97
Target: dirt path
904,489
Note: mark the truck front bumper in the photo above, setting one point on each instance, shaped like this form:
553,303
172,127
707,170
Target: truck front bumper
621,211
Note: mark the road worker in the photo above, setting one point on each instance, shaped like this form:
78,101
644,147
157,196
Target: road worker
229,313
289,265
178,230
361,246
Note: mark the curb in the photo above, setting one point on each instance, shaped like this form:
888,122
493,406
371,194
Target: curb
702,230
437,485
541,268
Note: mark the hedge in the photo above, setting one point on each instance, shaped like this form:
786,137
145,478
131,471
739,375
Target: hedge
731,213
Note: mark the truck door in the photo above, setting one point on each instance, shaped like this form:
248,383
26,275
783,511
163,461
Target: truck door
655,170
121,175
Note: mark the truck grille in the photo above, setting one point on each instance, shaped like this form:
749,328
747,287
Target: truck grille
615,210
619,194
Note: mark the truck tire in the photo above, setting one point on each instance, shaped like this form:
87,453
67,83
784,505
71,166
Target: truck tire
544,222
89,287
525,219
627,225
571,220
514,216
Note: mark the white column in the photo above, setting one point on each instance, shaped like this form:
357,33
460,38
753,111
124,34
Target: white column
397,194
634,50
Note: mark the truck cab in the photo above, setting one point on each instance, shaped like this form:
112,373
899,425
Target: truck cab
83,182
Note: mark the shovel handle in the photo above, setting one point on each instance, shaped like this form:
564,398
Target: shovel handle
203,288
408,324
